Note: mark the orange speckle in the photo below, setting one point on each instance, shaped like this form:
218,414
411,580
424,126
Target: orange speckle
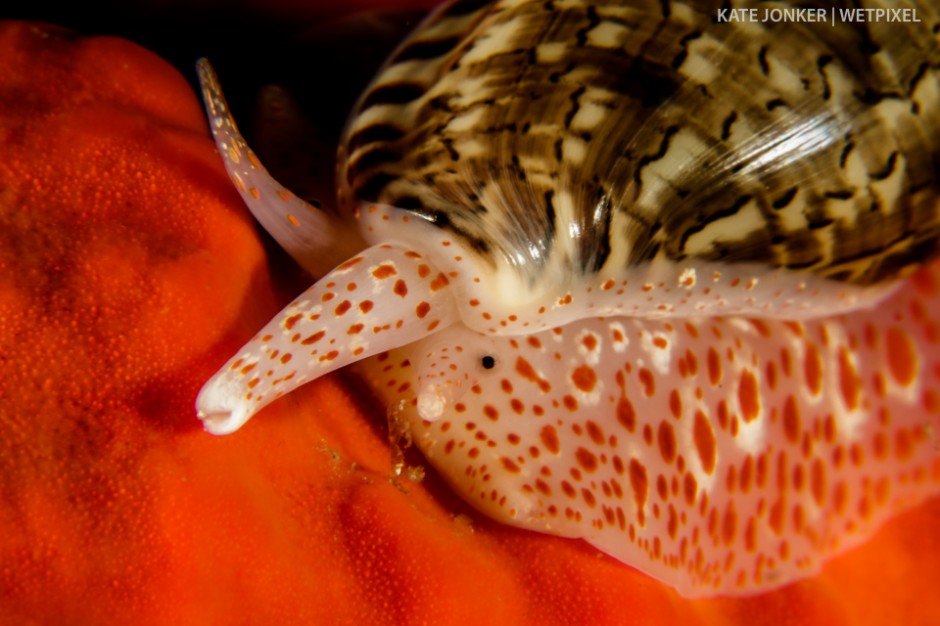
750,535
722,413
662,488
902,356
729,524
761,327
329,356
839,497
342,307
849,382
569,490
594,432
315,337
799,477
791,419
384,271
771,374
350,263
786,362
586,459
525,369
422,309
626,414
401,288
749,396
812,369
549,438
584,378
777,517
589,342
672,523
666,437
675,404
713,363
705,442
638,482
648,381
440,281
760,473
689,488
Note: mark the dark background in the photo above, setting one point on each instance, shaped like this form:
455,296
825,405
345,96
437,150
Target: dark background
324,52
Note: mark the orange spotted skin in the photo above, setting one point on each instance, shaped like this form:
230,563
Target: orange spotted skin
721,395
720,455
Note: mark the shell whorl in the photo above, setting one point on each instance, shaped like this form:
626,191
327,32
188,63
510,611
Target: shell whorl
574,137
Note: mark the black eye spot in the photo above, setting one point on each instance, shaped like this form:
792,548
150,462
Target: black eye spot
488,362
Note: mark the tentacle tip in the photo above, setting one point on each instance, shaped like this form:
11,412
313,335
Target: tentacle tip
219,415
219,422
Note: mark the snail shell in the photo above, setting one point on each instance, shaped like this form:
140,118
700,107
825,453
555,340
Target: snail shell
563,139
616,262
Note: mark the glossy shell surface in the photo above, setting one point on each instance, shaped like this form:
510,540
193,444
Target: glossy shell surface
563,139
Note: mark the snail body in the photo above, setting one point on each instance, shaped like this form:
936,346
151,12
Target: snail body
617,267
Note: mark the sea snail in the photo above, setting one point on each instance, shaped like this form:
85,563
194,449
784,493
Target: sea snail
633,273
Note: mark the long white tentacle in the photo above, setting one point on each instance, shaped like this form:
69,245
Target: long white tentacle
318,240
384,298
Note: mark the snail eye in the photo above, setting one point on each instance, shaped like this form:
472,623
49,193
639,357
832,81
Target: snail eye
488,362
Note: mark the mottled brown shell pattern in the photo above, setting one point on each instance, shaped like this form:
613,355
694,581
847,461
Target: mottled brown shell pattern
564,138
